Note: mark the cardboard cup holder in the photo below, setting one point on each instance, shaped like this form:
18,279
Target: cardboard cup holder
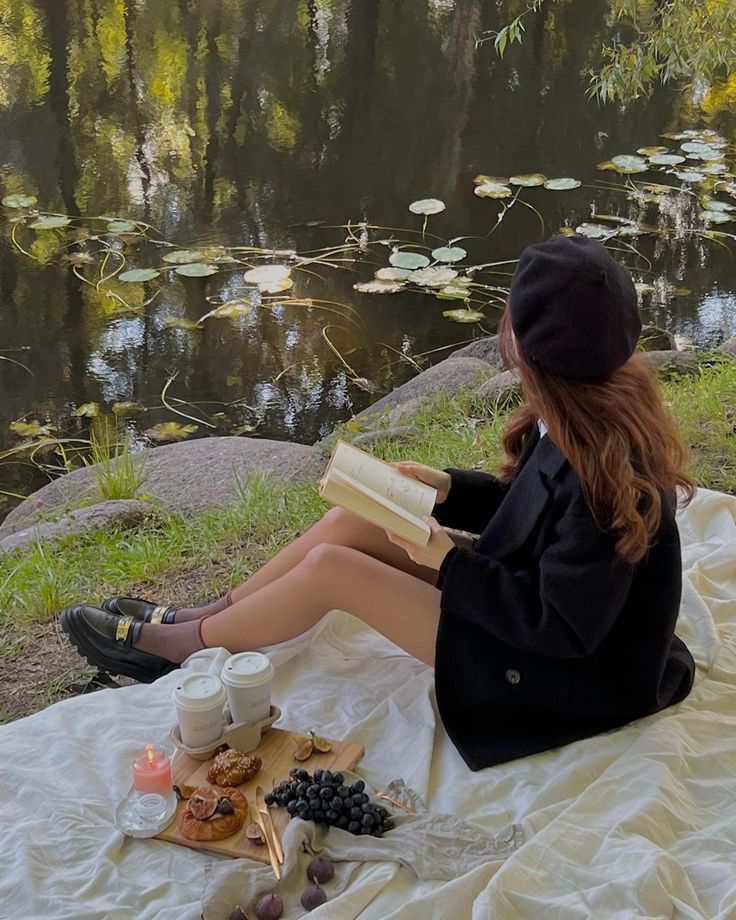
242,736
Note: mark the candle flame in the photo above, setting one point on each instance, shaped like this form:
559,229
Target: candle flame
149,752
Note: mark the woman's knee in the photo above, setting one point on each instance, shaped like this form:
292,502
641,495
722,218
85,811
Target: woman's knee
325,555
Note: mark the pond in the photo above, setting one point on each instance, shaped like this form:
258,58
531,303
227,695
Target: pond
297,133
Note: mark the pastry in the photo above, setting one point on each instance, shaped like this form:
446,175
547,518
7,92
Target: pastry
213,814
231,768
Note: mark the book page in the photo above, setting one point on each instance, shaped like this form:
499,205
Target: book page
416,497
381,511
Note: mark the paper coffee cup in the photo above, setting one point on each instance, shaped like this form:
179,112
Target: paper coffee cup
199,701
247,677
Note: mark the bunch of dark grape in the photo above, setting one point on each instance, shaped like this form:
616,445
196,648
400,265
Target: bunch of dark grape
325,798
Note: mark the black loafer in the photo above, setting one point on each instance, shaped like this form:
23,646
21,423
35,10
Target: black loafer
106,641
136,607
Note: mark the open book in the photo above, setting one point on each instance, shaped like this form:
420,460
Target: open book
377,492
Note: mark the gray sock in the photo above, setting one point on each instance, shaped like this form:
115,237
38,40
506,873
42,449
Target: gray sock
175,641
186,614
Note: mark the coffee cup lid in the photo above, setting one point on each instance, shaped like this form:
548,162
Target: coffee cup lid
247,669
199,691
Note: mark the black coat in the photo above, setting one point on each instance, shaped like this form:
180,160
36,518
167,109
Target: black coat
545,634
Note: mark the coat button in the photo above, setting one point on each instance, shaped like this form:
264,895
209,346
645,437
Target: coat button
513,676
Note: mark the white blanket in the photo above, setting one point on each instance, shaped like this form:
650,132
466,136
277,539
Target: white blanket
640,822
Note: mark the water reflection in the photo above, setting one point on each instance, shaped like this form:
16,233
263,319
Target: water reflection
242,124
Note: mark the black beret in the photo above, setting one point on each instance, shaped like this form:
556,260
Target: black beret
574,308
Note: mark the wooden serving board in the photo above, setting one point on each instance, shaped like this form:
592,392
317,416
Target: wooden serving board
276,751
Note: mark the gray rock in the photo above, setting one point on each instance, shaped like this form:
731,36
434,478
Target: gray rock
118,514
728,348
448,376
654,338
398,431
500,388
485,349
667,363
189,476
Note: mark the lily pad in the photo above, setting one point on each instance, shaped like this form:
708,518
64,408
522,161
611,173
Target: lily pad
138,274
713,205
628,163
122,226
695,147
595,231
690,175
437,276
651,151
170,431
528,180
379,287
561,185
642,288
50,222
492,190
19,201
666,159
464,316
681,136
448,254
456,290
715,217
183,256
607,166
31,429
393,274
232,308
127,408
266,274
276,287
179,322
493,180
411,260
87,410
196,270
713,169
427,206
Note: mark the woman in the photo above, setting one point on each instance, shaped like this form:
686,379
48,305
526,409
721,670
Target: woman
557,622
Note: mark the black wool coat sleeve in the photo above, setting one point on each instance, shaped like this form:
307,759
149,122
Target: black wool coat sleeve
546,634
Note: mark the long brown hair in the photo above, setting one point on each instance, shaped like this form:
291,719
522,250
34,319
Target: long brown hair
617,436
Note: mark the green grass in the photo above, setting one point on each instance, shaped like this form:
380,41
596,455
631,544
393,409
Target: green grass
225,545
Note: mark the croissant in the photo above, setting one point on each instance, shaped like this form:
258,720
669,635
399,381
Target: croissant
218,824
232,768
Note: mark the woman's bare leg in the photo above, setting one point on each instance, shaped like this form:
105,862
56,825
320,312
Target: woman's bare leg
340,528
401,606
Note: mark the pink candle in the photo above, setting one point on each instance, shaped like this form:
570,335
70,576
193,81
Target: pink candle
152,771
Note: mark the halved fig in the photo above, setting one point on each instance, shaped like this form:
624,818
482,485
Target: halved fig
224,807
203,802
304,750
253,833
184,792
321,744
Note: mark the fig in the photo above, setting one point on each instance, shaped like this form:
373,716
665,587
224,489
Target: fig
269,907
253,833
321,744
237,914
320,870
313,897
203,803
304,750
184,792
224,807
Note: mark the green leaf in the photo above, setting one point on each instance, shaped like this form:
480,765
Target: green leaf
88,410
595,231
31,429
495,180
138,274
122,226
232,308
436,276
713,205
408,260
183,256
464,316
448,254
19,201
715,217
690,175
267,274
50,222
561,185
196,270
528,180
427,206
127,408
651,151
170,431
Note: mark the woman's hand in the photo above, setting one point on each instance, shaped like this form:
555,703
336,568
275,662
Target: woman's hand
438,479
431,555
